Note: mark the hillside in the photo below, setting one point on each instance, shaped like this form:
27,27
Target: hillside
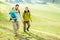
45,24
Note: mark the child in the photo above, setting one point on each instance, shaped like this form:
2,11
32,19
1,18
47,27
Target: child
12,14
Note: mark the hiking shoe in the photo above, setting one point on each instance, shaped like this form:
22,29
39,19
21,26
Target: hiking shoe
27,29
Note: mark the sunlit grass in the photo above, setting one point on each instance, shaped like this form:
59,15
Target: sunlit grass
45,18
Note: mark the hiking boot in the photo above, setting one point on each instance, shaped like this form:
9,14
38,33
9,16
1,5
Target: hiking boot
27,29
24,30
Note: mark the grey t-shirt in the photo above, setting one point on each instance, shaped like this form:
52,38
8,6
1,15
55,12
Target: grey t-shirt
18,14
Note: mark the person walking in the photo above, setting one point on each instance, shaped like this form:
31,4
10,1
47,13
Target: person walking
26,19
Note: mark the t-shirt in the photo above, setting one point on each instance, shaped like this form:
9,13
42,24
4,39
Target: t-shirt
18,14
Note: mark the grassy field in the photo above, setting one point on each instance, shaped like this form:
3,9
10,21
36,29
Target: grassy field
45,24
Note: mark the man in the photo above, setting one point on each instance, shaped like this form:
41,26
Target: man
18,15
13,18
26,18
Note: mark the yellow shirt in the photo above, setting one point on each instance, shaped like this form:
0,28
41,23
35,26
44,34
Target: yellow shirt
26,16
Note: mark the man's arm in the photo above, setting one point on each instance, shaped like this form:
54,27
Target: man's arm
19,11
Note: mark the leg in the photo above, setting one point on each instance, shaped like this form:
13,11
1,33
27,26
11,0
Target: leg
28,23
24,26
14,27
17,23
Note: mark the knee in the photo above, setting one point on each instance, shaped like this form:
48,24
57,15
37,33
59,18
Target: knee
28,25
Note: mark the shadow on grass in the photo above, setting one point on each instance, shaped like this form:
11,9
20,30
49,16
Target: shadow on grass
29,37
21,37
6,29
35,36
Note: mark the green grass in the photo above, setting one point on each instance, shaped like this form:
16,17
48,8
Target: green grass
45,18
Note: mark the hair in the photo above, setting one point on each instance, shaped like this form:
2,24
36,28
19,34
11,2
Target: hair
12,7
17,5
26,12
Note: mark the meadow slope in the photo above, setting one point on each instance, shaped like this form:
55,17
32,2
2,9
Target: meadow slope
45,24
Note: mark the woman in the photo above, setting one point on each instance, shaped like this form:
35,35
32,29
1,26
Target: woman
26,18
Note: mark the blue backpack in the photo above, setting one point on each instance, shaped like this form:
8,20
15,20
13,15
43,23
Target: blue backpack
13,14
